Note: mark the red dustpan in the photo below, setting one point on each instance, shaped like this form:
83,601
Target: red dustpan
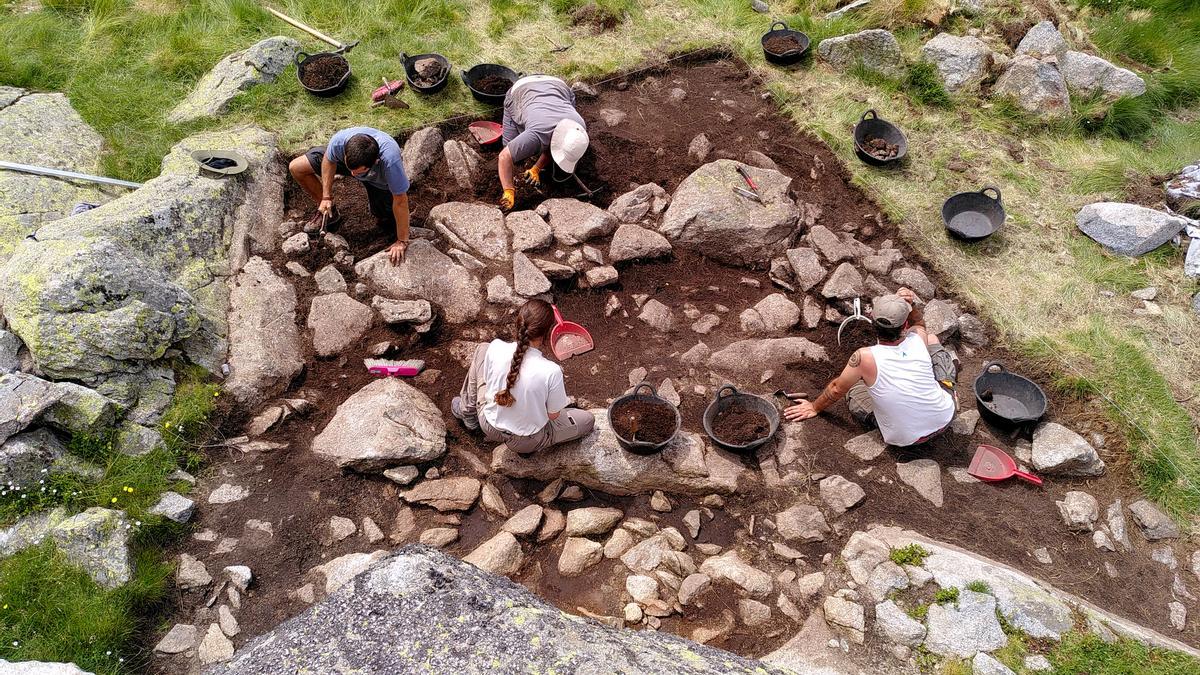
485,133
568,339
993,464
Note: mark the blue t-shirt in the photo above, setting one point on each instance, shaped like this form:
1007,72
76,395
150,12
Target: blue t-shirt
388,173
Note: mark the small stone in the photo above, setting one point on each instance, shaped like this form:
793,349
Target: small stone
802,522
591,521
215,647
1037,663
867,446
191,573
692,521
1079,511
1155,524
296,244
1102,542
1164,555
632,612
240,576
706,323
618,543
657,316
174,506
698,149
925,476
571,493
844,613
553,523
402,475
227,494
229,624
439,537
965,422
371,531
659,502
985,664
1178,615
578,555
642,589
179,639
1043,556
340,528
753,613
305,594
840,495
492,502
524,522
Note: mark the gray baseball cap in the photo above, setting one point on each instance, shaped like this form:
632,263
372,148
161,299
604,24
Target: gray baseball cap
890,311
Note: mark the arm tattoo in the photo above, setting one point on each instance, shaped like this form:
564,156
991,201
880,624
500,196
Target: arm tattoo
855,359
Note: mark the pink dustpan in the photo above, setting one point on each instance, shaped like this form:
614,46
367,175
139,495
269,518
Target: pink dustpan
568,339
993,464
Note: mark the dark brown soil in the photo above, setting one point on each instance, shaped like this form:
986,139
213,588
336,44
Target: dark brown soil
323,72
493,84
639,419
739,425
782,43
1014,31
298,493
881,149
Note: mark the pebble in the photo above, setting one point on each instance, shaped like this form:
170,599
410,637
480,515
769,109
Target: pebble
659,502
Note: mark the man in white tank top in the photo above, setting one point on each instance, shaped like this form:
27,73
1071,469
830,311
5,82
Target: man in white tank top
904,384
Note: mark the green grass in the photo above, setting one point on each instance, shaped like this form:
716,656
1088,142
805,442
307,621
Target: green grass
1087,653
918,612
945,596
913,554
51,611
1158,430
979,586
920,83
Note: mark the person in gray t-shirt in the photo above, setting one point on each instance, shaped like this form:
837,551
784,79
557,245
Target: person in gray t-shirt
373,158
539,120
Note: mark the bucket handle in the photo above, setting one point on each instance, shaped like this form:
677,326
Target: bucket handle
721,392
301,57
874,115
647,385
779,23
987,367
984,192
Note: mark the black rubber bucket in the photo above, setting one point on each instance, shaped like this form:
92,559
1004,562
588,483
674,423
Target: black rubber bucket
791,56
303,59
642,447
870,126
476,73
726,396
1009,400
410,72
972,216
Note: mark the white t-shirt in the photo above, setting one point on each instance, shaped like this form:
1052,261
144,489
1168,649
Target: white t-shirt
539,389
909,402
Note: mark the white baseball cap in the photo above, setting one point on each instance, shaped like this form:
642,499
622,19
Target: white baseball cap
567,144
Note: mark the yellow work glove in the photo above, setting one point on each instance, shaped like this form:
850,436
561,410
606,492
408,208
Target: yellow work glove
509,198
534,177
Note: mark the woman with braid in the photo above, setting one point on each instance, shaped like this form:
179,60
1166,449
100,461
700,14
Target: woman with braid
515,394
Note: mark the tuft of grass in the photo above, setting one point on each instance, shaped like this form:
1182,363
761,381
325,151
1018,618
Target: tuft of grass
1087,653
979,586
921,83
913,554
52,611
945,596
919,612
1012,654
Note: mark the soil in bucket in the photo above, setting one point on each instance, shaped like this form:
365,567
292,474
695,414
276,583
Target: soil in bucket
739,425
780,44
881,149
323,72
429,72
493,84
642,420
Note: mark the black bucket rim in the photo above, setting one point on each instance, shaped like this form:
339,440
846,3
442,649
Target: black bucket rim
643,447
997,417
998,202
711,411
867,157
407,62
788,57
468,79
333,90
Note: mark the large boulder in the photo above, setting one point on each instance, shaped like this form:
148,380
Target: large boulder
385,424
1042,40
28,457
575,222
1059,451
1128,229
1087,75
427,611
261,63
426,274
874,49
421,151
688,465
110,289
265,351
464,163
475,227
749,358
965,628
633,242
337,321
962,62
96,540
43,130
1037,86
40,668
706,215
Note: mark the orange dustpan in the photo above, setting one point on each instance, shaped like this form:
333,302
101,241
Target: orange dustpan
568,339
993,464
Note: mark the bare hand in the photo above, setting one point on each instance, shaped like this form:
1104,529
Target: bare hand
396,252
801,411
908,296
325,207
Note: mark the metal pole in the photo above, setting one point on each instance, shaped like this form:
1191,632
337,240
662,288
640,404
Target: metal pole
59,173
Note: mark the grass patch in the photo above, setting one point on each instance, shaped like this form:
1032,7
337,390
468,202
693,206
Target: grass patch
920,83
945,596
919,612
913,554
1158,430
1087,653
1012,654
979,586
51,611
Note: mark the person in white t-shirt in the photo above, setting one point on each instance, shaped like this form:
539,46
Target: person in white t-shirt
515,394
904,385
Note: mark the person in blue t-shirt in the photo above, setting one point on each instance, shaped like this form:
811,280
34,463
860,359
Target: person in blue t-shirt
372,157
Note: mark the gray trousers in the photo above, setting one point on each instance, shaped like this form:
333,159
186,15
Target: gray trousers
862,408
570,425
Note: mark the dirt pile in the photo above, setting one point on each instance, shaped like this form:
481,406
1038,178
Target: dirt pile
324,71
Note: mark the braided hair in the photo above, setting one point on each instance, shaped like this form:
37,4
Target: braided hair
535,320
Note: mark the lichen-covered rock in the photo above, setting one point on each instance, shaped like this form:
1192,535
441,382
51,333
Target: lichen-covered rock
1128,229
707,216
1087,75
874,49
97,541
962,62
23,399
428,611
1037,86
386,423
24,458
43,130
688,465
261,63
265,351
965,628
475,227
575,222
426,274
